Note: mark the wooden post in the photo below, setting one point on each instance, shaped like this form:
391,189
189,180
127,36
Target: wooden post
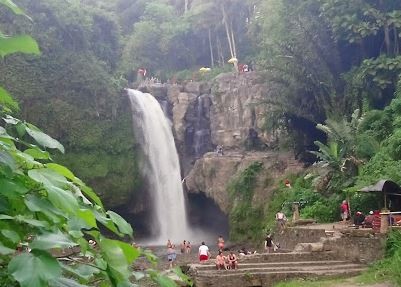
295,209
384,216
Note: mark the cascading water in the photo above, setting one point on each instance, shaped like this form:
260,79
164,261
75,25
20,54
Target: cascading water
202,139
162,168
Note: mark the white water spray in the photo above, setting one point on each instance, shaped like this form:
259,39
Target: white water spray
162,170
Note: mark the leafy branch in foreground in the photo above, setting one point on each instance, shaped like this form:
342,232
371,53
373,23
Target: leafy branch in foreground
47,213
47,210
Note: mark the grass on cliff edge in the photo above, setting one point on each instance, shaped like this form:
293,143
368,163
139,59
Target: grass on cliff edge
366,279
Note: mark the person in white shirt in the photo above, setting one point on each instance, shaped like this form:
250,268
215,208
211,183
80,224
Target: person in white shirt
203,252
281,220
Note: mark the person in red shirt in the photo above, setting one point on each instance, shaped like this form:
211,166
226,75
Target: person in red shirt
344,211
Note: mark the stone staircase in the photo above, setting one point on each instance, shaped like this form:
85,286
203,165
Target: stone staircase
266,269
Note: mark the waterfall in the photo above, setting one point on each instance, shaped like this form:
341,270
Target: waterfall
162,168
202,138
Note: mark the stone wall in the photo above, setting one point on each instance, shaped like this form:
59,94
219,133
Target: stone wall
356,245
354,248
293,236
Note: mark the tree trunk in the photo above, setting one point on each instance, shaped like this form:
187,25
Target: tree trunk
211,49
186,6
396,42
386,28
387,41
220,55
225,21
233,40
97,105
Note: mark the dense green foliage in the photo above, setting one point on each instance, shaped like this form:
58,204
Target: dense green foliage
44,207
389,268
325,58
244,217
333,68
47,213
74,91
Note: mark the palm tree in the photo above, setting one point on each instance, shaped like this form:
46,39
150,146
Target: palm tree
338,157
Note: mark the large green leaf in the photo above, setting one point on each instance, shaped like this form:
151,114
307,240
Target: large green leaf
5,250
11,235
87,216
107,222
13,7
48,177
21,43
122,225
92,195
129,252
34,269
8,160
7,100
26,160
11,120
61,170
62,199
52,240
65,282
44,139
161,280
119,256
30,221
84,272
37,204
21,218
12,186
36,153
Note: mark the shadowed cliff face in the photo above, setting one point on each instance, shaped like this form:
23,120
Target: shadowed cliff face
213,173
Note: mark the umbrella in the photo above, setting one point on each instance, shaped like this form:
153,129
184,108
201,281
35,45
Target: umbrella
204,69
233,60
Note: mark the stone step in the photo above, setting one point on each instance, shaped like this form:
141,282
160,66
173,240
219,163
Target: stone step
289,257
268,278
323,271
245,265
278,269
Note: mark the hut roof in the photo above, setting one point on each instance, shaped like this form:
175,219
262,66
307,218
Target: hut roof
385,186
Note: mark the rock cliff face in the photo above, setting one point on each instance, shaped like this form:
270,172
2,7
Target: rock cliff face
212,173
228,112
238,110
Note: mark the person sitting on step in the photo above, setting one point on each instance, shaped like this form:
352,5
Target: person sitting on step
232,260
221,261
